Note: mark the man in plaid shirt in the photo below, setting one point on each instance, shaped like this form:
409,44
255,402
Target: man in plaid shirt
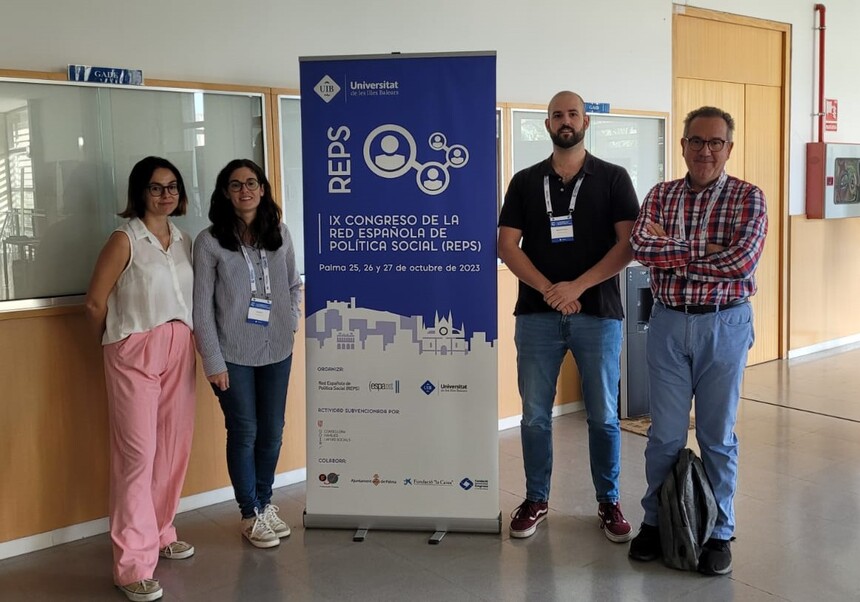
702,237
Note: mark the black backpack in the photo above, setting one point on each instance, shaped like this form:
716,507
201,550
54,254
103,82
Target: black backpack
687,512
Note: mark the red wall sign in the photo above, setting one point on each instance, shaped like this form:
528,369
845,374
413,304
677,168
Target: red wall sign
831,114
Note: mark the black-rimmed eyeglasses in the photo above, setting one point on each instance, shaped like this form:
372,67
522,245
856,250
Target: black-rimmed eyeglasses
715,145
236,185
157,190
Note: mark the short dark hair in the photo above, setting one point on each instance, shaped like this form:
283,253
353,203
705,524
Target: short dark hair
138,181
266,227
710,112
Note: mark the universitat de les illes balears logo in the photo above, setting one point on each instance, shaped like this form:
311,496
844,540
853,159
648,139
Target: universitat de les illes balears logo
327,88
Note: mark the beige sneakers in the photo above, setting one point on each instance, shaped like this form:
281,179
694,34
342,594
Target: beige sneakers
178,550
258,532
270,515
142,591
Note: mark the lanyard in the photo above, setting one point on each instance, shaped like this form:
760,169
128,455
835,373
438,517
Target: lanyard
573,194
265,263
715,195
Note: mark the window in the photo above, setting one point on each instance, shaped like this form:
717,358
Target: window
64,165
635,142
291,174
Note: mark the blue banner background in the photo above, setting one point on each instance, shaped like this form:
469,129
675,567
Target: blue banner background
404,92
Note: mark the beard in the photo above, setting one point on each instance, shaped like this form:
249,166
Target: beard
561,141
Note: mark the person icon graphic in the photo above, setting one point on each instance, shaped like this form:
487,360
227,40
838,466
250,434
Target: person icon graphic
457,155
432,181
391,160
390,152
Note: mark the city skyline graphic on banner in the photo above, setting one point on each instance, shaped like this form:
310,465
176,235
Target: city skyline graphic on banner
346,326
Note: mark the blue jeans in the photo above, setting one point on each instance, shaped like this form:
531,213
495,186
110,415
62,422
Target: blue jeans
542,341
254,407
701,356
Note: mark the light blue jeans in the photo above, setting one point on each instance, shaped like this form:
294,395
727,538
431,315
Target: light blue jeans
701,356
542,341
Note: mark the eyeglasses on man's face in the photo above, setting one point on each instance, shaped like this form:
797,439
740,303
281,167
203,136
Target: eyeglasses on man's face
236,185
157,190
715,145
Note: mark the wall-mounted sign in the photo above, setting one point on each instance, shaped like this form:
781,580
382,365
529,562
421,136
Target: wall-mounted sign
106,75
831,114
597,107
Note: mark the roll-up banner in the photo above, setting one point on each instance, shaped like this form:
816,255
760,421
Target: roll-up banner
400,188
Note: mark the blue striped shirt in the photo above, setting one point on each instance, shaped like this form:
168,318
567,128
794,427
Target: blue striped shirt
222,294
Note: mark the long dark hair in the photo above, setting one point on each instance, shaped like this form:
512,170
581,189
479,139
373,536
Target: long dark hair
138,181
265,230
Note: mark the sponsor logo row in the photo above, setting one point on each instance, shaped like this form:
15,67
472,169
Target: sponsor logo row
333,479
428,387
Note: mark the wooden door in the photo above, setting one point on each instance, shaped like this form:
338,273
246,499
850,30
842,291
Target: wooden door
740,65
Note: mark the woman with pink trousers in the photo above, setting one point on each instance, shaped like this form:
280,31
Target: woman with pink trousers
139,302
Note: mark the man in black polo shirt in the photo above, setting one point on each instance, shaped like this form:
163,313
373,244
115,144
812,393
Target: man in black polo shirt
573,214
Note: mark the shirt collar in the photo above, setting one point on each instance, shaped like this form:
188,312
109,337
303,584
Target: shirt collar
722,179
587,166
140,231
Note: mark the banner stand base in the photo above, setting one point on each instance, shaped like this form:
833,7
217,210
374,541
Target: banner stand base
362,523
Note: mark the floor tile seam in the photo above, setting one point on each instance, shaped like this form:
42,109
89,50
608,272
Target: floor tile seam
770,502
804,410
799,475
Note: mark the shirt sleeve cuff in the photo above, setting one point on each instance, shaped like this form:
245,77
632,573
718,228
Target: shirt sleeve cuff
214,365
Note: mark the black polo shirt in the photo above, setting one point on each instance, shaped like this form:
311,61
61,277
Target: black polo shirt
605,197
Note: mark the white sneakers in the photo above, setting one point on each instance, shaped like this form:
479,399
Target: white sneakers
265,529
270,515
142,591
258,532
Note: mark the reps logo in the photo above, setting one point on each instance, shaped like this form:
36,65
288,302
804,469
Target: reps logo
390,151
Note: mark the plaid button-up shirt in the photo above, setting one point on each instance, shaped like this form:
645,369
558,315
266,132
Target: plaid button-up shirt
682,273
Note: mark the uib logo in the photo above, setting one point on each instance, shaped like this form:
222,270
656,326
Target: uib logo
327,88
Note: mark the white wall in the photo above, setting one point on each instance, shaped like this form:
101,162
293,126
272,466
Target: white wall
616,51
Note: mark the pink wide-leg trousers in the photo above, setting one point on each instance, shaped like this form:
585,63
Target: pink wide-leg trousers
150,379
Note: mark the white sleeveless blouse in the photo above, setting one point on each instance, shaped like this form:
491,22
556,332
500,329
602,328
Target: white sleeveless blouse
155,287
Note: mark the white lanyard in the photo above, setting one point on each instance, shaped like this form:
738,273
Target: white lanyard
573,195
265,264
715,195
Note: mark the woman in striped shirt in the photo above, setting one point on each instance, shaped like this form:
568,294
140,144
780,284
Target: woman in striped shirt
246,313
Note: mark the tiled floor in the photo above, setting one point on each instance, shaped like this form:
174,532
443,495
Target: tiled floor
797,508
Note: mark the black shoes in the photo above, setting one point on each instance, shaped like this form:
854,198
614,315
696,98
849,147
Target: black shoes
716,558
646,545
